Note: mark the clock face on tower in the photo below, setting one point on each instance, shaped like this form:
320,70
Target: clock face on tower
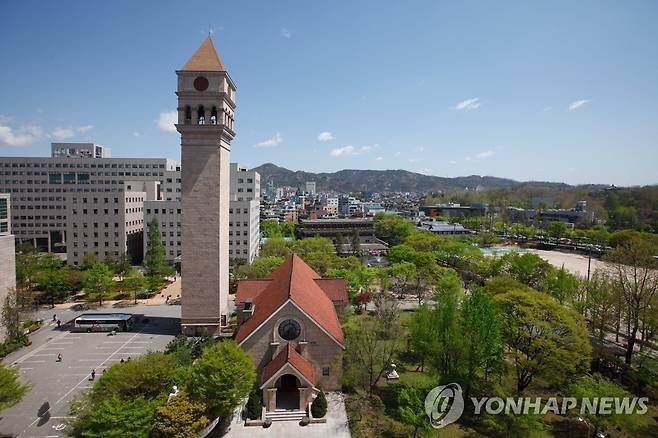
200,83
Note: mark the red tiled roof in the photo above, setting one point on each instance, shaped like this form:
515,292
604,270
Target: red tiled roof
291,356
335,288
205,58
293,280
249,289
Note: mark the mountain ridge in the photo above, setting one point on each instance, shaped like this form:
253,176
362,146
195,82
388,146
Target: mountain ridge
398,180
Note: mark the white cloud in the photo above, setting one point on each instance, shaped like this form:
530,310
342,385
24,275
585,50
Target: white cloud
21,137
548,108
326,136
350,150
167,120
485,154
286,33
467,158
379,158
421,149
578,104
468,104
452,162
64,133
271,142
414,160
397,154
136,134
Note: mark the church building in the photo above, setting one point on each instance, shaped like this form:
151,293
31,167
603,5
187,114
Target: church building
289,325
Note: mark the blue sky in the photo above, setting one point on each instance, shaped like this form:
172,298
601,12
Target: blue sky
553,90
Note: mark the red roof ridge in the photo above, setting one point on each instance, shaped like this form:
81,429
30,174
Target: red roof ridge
288,355
293,280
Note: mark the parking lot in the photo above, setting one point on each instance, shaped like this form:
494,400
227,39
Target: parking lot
45,407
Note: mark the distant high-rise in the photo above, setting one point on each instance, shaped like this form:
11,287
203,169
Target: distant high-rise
206,105
310,188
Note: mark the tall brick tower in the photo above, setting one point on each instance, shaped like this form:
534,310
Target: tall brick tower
206,106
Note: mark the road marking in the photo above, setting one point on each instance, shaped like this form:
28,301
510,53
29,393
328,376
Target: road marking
44,354
62,343
55,348
25,369
34,361
139,348
37,350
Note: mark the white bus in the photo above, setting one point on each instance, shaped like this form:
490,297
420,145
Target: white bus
104,322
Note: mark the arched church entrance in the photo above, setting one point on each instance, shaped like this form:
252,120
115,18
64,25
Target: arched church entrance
287,394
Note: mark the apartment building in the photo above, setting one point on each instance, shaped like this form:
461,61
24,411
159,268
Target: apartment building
7,253
168,213
46,192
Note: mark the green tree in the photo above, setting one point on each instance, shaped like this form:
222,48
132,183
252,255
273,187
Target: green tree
369,352
222,377
483,344
597,387
156,261
270,228
148,375
115,417
543,338
319,405
180,417
557,229
89,260
254,406
561,284
99,281
422,334
275,247
392,229
11,389
355,242
411,406
259,268
133,281
400,275
10,315
635,269
529,269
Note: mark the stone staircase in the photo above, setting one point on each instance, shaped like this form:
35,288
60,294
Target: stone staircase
285,415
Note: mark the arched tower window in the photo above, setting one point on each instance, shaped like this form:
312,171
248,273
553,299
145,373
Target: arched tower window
213,116
201,114
188,114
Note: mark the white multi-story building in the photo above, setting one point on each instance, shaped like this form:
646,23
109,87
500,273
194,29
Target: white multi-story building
7,253
244,216
79,150
48,192
244,213
331,206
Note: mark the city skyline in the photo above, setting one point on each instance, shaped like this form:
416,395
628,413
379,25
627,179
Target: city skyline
559,92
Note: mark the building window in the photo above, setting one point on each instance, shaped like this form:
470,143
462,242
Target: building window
289,329
325,371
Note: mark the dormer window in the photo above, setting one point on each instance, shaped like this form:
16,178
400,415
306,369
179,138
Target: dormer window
289,329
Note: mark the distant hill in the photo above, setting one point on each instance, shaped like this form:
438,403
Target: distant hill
353,180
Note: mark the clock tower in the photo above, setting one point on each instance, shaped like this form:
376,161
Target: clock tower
206,106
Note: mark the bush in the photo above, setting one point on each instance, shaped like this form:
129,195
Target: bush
254,406
11,345
319,405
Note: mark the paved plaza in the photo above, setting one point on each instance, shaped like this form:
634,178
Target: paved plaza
335,427
45,407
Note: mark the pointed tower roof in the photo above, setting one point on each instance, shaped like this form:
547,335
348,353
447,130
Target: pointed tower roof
205,58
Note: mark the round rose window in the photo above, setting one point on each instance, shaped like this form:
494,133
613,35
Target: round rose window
289,329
